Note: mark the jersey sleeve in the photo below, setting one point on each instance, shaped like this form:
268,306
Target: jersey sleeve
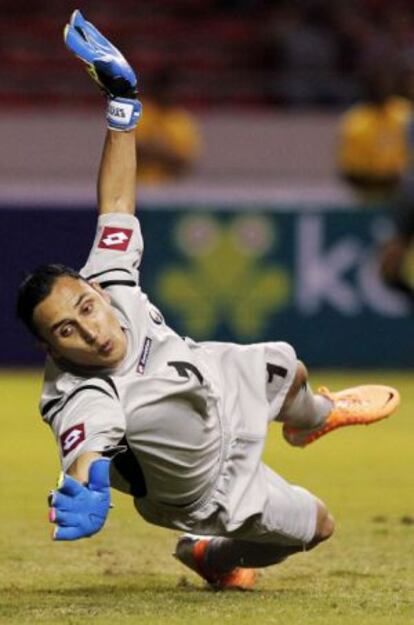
90,418
116,252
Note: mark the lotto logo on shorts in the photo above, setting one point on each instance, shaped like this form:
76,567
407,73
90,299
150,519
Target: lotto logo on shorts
70,439
115,238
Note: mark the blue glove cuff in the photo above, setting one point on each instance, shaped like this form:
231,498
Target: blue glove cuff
123,113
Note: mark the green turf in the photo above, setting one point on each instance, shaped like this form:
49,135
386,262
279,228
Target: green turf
364,575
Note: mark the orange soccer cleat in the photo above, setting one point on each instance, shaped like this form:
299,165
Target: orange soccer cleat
191,552
360,405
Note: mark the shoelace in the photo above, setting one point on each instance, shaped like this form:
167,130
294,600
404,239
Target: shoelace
346,404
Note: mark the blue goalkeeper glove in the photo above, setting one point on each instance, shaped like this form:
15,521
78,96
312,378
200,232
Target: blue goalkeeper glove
80,511
109,68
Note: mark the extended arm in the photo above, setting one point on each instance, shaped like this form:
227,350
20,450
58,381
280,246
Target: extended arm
117,174
110,70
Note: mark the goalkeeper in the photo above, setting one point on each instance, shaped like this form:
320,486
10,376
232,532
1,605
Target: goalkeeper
179,426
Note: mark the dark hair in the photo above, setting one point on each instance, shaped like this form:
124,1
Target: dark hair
36,287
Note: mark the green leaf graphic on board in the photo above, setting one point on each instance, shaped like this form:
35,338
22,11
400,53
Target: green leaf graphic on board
225,278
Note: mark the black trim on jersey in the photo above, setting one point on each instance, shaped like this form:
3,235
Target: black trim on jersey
107,283
111,384
49,404
100,273
129,468
75,392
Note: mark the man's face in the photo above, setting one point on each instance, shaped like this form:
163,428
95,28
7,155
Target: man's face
79,325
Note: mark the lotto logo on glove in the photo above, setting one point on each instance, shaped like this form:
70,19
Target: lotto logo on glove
80,511
115,110
123,114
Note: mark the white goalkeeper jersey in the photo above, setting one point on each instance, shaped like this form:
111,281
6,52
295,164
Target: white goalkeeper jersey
174,408
157,403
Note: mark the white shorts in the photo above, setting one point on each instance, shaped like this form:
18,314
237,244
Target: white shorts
248,500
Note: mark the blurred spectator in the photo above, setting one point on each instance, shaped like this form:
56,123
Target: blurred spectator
373,150
167,138
396,255
302,54
376,157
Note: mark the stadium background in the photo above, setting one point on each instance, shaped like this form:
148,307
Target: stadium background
261,241
267,83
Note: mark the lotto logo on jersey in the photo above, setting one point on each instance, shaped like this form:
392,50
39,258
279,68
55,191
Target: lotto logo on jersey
144,355
115,238
70,439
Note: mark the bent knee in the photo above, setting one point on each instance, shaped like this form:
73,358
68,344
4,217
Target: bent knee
325,524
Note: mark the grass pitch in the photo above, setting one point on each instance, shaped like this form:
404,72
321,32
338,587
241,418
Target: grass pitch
126,574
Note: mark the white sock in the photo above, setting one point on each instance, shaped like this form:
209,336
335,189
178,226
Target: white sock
307,410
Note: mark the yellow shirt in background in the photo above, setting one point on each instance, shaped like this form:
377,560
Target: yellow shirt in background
175,130
373,139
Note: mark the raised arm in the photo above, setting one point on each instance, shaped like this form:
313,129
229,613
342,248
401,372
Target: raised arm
117,174
110,70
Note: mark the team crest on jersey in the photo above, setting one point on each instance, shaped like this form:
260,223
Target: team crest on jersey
144,355
71,438
156,316
115,238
